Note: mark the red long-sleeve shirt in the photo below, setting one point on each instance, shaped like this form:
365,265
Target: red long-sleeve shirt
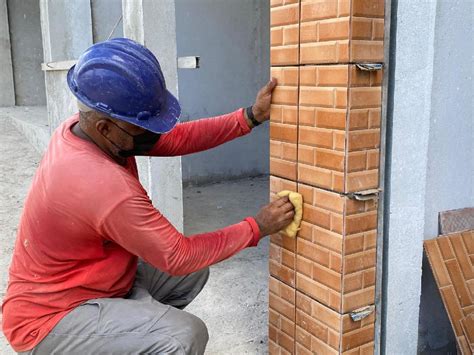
86,219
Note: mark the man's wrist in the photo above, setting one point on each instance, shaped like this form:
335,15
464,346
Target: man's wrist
249,113
247,119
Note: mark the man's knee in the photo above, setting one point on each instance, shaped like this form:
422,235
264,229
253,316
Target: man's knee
198,337
187,333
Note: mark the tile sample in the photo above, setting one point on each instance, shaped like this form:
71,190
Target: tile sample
451,258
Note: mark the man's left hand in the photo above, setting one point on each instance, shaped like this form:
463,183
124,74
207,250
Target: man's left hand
261,107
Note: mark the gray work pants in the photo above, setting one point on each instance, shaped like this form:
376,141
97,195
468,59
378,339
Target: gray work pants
148,321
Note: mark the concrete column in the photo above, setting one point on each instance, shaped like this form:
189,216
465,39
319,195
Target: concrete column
153,23
67,32
7,89
407,164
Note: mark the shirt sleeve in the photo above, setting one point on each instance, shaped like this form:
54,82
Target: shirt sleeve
205,133
139,228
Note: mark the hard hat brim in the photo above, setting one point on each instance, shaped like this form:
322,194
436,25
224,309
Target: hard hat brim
162,122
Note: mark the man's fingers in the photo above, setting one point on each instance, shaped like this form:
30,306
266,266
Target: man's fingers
289,215
281,201
287,207
270,85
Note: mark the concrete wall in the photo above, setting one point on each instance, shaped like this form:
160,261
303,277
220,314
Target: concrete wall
232,39
105,14
450,175
7,91
153,24
67,32
429,162
27,52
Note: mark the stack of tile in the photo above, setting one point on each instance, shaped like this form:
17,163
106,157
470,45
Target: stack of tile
324,143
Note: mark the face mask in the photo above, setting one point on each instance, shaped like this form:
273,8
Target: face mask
142,143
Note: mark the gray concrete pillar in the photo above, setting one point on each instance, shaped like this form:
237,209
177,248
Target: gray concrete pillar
7,89
66,27
407,164
153,23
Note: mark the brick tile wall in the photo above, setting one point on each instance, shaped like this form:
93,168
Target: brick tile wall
341,31
335,261
321,330
282,248
339,127
284,123
281,332
324,143
284,32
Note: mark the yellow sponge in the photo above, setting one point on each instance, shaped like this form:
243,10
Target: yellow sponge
297,201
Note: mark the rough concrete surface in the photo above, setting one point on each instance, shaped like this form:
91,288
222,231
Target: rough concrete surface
233,304
18,162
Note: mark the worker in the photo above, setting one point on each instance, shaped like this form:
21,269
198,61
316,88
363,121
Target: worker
96,268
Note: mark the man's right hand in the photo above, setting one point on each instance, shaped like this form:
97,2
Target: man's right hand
275,216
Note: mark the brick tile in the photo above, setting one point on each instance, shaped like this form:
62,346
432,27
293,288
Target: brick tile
364,51
467,324
452,306
331,119
461,256
436,261
332,75
357,338
325,52
317,10
368,8
458,282
333,29
468,239
361,28
358,299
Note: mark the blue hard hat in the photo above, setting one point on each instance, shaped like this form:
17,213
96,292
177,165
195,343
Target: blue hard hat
123,79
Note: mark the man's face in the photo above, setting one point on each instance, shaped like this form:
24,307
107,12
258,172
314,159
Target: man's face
127,139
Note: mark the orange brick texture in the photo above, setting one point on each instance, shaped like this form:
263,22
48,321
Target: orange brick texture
452,258
339,127
341,31
324,143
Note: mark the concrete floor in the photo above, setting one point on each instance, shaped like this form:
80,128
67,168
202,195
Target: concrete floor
233,304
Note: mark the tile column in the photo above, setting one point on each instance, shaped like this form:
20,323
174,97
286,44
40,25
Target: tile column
324,143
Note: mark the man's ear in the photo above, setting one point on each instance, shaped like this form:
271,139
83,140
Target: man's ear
103,127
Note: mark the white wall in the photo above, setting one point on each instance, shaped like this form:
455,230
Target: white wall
429,161
450,174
